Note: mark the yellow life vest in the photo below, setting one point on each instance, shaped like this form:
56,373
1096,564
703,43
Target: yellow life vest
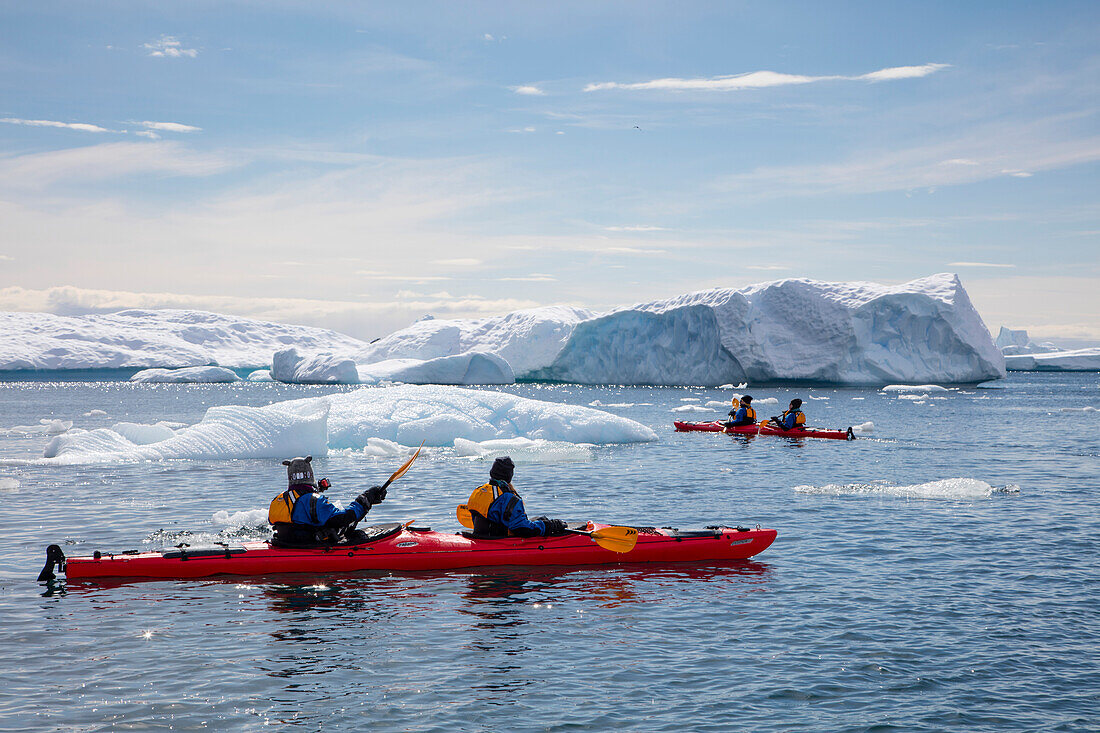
750,414
482,498
799,418
282,507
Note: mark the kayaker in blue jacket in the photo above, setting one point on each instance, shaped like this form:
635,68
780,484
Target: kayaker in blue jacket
743,414
498,510
792,418
301,515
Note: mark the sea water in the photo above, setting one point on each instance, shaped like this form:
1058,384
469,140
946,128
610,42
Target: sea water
939,573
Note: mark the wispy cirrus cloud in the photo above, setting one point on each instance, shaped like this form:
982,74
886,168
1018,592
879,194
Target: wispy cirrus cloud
529,90
169,126
169,47
636,228
978,264
762,80
81,126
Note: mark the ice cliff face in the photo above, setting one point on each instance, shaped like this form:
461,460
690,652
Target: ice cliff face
152,338
785,331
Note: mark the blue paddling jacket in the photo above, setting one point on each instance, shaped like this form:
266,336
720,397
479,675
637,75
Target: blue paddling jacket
792,419
315,510
507,511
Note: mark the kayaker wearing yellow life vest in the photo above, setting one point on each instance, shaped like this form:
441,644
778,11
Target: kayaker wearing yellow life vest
302,516
497,509
742,413
792,418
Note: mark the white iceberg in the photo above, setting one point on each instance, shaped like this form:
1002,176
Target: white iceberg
260,375
140,434
1071,360
291,367
468,368
370,419
923,388
153,338
187,375
785,331
527,339
952,489
525,450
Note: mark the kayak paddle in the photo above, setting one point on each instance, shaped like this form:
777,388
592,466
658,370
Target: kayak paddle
401,471
616,539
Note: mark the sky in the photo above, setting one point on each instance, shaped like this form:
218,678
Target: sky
359,165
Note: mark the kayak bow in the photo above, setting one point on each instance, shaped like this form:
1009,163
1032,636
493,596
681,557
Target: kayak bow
398,548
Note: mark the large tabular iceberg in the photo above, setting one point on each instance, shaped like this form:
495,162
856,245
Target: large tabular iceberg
785,331
471,367
289,366
406,415
153,338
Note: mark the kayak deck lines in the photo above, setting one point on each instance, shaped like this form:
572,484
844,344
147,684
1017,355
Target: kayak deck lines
412,549
716,426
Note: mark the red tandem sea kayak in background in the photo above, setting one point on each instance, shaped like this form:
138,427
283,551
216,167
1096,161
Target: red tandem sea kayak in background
398,548
717,427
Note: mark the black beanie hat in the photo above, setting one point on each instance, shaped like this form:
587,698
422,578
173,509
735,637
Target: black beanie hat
502,469
796,403
746,398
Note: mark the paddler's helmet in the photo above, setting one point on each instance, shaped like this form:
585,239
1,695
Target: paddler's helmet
299,471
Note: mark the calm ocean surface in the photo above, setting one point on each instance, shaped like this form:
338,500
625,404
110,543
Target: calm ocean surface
885,604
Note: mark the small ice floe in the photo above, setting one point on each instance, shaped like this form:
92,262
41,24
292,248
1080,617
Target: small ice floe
525,450
716,403
1087,408
952,489
95,413
689,399
45,426
865,428
813,397
858,398
915,397
9,484
186,375
241,519
693,408
766,401
260,375
382,448
743,385
597,403
914,388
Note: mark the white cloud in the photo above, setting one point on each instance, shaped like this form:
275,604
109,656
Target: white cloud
766,267
82,126
105,161
636,228
977,264
148,133
169,47
534,277
170,127
529,89
1017,174
458,262
763,79
487,37
960,161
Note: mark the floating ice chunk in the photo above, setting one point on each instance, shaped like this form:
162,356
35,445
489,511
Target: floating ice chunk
693,408
958,489
139,434
275,431
689,399
241,519
766,401
813,397
1087,408
187,375
95,413
261,375
867,427
915,397
8,484
525,450
291,367
717,404
381,448
406,415
55,427
858,398
926,388
469,368
597,403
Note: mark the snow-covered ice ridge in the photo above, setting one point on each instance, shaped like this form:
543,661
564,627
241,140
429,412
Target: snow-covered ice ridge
1024,355
153,338
793,330
439,416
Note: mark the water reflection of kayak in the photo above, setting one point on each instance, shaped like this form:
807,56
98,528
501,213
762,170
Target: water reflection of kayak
398,548
718,427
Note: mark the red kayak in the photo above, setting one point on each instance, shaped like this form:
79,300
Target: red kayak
718,427
400,548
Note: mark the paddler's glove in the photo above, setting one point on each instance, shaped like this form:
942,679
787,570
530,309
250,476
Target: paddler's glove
554,527
370,497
